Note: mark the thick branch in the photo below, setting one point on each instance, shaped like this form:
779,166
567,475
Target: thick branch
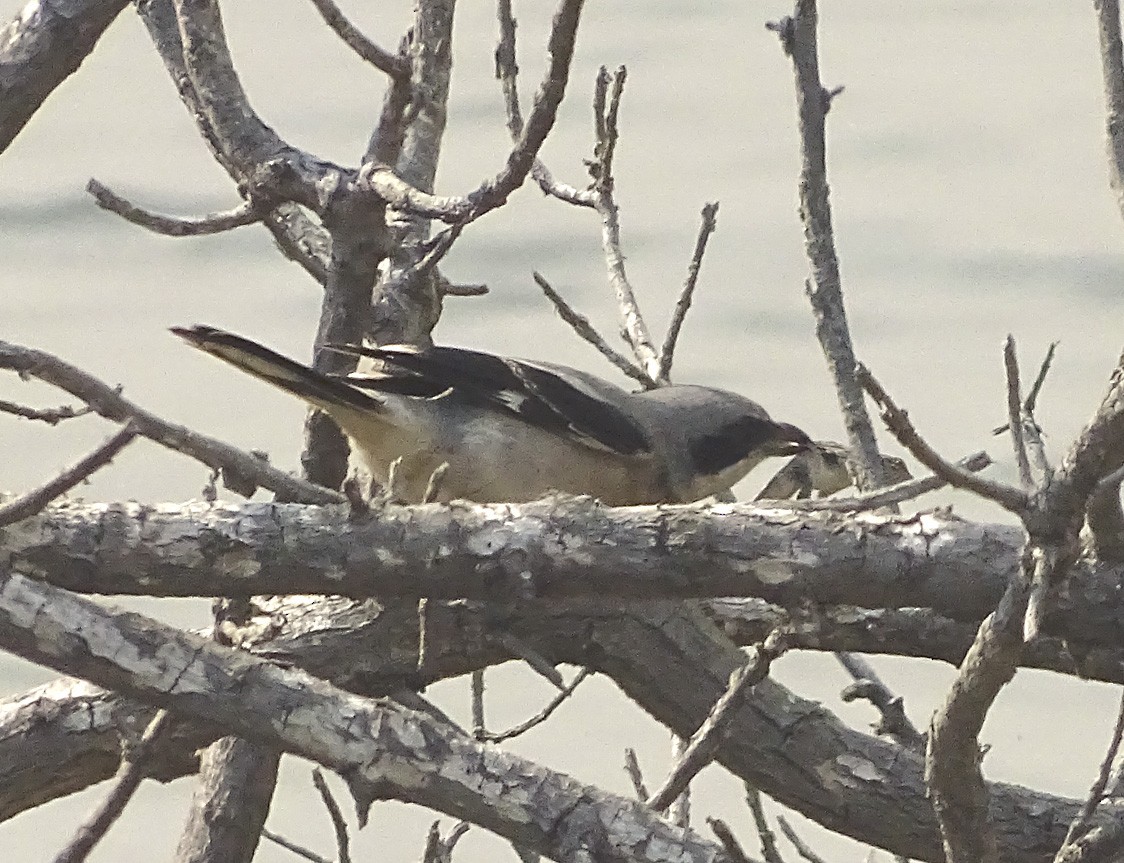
40,48
381,748
957,568
671,661
230,804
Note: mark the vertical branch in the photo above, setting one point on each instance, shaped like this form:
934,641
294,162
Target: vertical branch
407,304
230,803
1015,412
1112,69
824,288
359,244
952,760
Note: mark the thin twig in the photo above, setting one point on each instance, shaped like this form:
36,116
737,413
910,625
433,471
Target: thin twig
289,845
1014,412
478,727
246,213
729,840
581,325
451,289
343,840
379,178
1031,401
897,421
802,847
1097,791
33,501
125,783
667,352
507,71
606,107
537,662
450,841
705,741
1036,447
540,717
891,494
435,482
679,809
423,634
824,286
394,65
765,835
108,402
867,684
50,416
635,774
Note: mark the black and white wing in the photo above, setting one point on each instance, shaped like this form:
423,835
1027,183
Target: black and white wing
560,400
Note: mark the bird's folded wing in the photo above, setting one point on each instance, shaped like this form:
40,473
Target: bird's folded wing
544,396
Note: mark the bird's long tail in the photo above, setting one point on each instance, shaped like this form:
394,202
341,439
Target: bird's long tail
316,388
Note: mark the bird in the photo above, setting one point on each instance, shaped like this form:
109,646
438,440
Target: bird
513,430
825,468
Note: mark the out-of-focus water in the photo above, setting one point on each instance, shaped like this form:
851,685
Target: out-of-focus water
971,200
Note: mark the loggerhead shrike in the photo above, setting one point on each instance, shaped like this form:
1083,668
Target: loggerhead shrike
513,430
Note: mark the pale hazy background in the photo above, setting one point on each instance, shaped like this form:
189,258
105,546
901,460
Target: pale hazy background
970,197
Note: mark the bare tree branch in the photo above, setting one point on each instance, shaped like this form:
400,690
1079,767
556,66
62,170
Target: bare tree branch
1081,824
891,494
1105,519
109,403
898,422
508,74
1112,69
50,416
867,684
493,193
635,774
40,48
33,501
539,718
245,213
289,845
381,747
824,288
703,744
1014,413
683,304
729,841
802,848
765,835
394,65
952,764
125,783
230,804
581,325
865,787
339,825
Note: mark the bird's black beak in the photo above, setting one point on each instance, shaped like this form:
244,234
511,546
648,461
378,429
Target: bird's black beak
790,440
